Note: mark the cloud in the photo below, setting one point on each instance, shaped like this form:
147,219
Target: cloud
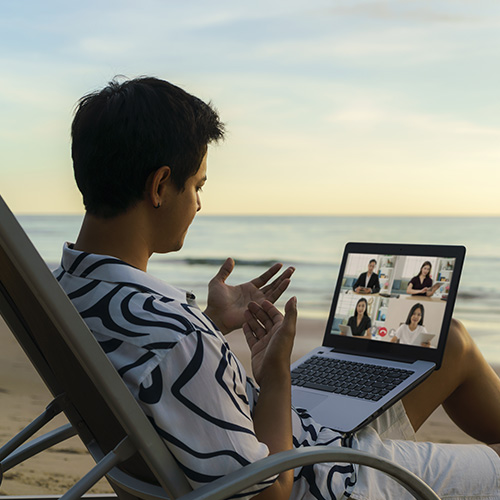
104,47
363,115
402,11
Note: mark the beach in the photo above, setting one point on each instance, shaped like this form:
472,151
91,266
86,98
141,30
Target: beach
23,397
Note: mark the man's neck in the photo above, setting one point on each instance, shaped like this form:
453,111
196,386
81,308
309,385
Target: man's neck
121,237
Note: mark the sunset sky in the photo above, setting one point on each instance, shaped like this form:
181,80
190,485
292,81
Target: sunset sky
332,107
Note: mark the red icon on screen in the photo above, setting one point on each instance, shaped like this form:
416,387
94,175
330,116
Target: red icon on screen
382,331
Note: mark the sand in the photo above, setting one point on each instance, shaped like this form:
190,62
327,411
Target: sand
23,397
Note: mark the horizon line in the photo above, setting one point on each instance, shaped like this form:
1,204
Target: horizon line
221,214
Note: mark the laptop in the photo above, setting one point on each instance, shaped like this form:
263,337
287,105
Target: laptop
350,380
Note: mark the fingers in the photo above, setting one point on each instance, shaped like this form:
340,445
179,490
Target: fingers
272,311
225,270
291,311
255,325
274,290
260,319
265,315
249,335
265,277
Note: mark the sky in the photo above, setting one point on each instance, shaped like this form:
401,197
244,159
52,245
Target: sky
348,107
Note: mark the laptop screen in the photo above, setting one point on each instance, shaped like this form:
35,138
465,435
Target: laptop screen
400,295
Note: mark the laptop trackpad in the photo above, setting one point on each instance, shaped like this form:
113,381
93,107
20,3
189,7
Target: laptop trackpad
306,399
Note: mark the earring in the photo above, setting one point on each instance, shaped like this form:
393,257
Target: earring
158,205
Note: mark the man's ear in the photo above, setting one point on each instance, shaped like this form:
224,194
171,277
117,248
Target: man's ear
159,182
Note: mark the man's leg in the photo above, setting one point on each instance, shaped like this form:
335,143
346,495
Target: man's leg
466,386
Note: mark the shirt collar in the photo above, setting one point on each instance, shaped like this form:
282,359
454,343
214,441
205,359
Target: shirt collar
110,269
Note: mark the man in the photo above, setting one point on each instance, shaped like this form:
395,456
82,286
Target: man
368,282
140,159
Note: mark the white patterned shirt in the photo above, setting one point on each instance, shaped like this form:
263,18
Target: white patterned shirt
182,372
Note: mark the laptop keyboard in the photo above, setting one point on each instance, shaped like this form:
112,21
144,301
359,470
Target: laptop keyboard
359,380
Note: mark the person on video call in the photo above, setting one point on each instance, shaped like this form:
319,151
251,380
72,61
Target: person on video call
139,150
360,322
421,285
368,282
409,332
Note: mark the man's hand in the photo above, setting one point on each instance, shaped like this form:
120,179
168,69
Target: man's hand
270,336
226,305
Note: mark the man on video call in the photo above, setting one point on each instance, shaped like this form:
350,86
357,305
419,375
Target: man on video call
368,282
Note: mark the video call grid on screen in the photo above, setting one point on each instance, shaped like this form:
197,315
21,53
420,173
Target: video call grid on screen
393,313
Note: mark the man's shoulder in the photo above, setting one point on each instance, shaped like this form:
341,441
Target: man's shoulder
130,309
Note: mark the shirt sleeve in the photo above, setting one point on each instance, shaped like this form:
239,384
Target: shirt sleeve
357,283
196,398
414,281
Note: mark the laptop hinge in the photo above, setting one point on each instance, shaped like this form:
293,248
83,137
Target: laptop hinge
376,355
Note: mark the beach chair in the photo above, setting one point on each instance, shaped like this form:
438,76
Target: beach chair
99,407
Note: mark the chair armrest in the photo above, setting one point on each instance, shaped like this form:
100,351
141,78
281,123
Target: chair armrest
274,464
242,478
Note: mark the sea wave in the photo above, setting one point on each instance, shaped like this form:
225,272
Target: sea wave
218,261
489,311
193,261
489,295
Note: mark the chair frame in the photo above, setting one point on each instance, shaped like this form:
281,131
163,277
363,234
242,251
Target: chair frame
126,447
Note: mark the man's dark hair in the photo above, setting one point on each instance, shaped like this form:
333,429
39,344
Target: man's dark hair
126,131
373,260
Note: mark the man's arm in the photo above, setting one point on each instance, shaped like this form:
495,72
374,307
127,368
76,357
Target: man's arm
270,338
273,427
358,282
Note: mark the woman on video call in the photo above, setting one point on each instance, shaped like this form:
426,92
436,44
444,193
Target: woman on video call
410,331
421,284
360,322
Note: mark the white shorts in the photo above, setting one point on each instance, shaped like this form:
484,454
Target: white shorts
453,471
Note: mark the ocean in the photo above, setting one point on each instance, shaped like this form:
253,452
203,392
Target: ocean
314,245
